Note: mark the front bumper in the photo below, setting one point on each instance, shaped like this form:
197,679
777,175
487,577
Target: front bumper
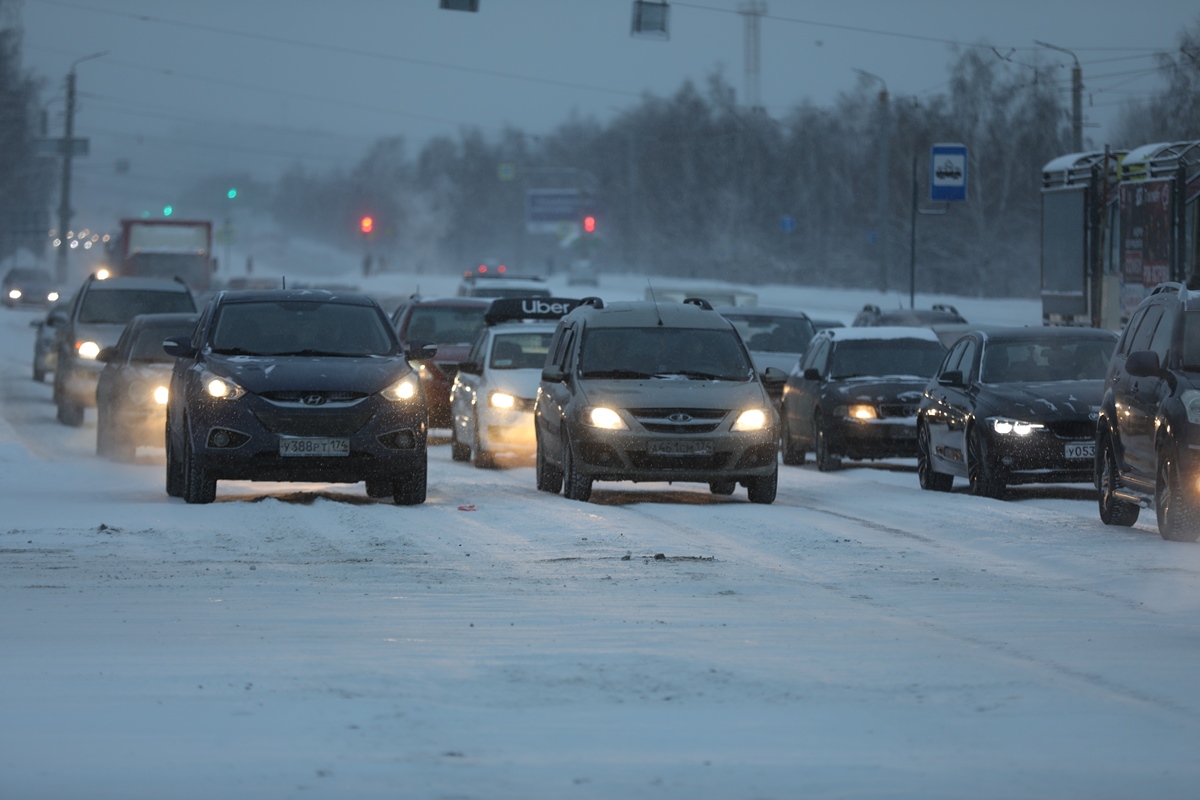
890,437
1042,457
630,455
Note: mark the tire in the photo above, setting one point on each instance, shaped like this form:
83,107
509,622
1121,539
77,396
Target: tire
69,414
826,460
792,455
410,490
1178,520
931,480
576,485
481,458
1113,510
39,374
198,487
549,477
458,450
762,490
380,488
981,470
104,436
724,488
175,469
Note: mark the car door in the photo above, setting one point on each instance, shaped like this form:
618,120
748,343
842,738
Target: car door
805,393
467,388
554,395
945,399
1133,396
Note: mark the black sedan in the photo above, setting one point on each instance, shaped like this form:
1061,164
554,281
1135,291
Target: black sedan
855,394
295,385
131,395
26,286
1013,406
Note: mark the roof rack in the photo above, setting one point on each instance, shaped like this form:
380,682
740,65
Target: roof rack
698,301
949,309
1168,286
594,302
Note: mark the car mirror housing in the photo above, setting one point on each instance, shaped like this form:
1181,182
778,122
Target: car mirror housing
774,377
811,374
179,347
952,378
421,351
470,368
1143,364
553,375
106,354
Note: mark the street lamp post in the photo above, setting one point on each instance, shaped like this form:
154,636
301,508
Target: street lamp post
882,184
64,204
1076,97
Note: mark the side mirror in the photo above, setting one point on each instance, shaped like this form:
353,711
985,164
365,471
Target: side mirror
811,374
56,319
1143,364
469,367
952,378
179,347
37,323
106,354
554,375
421,351
773,377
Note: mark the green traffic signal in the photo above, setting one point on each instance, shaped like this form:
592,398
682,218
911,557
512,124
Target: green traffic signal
167,210
232,193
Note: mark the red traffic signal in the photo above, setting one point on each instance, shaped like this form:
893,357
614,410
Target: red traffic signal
367,224
589,224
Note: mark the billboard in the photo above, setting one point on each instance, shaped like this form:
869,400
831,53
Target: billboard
549,210
1145,241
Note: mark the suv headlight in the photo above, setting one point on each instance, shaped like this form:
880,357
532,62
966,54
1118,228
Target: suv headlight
88,350
1191,404
606,418
501,400
754,419
1006,426
403,390
220,388
859,411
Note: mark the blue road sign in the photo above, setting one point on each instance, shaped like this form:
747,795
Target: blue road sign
948,173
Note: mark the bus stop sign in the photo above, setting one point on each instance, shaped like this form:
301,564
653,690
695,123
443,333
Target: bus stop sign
948,173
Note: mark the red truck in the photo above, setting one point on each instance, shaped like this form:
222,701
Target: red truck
167,248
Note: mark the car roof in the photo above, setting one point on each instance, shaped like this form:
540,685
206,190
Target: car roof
123,282
465,302
877,332
760,311
1045,332
294,296
648,314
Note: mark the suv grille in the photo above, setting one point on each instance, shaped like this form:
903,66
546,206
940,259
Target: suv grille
314,423
1073,429
328,397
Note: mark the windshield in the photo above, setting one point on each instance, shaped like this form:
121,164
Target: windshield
520,350
118,306
445,324
773,334
301,328
701,354
1030,360
147,347
877,357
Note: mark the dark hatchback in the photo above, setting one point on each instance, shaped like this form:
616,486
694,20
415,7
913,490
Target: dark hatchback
451,323
295,385
1013,406
855,394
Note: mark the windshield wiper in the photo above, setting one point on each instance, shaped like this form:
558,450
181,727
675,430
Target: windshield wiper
616,373
234,351
700,376
311,352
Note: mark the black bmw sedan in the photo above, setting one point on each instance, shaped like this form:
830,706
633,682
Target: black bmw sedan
295,385
1013,406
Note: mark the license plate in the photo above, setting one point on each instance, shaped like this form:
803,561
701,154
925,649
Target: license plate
1081,450
313,446
681,448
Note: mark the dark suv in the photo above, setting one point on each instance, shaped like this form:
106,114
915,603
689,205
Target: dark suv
1148,430
99,313
644,391
451,323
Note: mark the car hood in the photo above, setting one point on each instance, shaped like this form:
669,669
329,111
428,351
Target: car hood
1044,401
259,374
877,390
670,392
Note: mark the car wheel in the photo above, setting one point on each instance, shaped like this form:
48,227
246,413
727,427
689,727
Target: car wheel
198,487
722,487
458,450
39,374
103,434
930,479
576,485
70,414
981,471
549,477
1177,517
1113,510
175,469
481,458
792,454
762,489
826,461
410,489
380,488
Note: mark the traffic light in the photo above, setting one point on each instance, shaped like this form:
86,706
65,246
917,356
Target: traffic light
366,224
168,211
232,193
589,224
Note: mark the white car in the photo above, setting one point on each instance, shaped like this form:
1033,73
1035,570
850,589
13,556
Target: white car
494,392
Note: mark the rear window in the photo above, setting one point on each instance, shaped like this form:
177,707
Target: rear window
773,334
118,306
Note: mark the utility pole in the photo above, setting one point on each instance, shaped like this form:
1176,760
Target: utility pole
883,179
1076,97
752,10
68,150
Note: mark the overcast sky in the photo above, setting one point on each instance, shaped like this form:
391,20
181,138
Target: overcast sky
358,70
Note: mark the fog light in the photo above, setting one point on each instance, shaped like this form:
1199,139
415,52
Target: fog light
399,440
220,439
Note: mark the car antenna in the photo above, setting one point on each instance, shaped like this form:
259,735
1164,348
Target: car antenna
650,286
283,281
